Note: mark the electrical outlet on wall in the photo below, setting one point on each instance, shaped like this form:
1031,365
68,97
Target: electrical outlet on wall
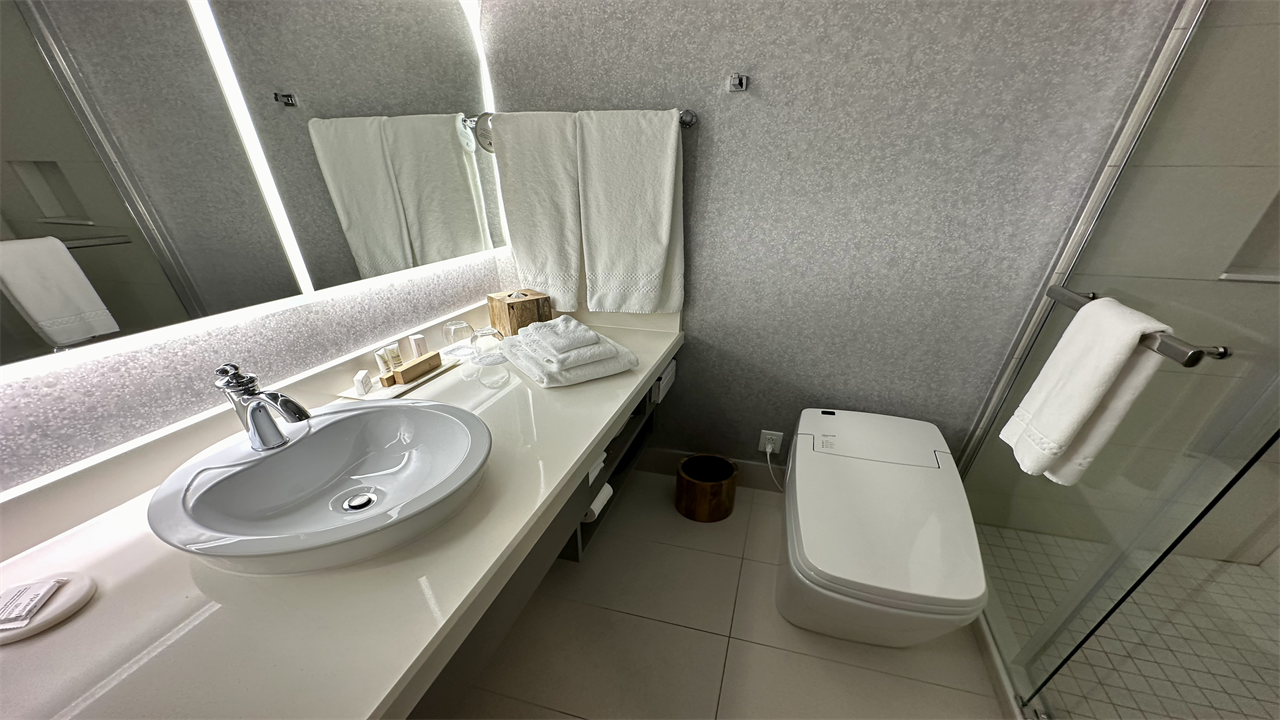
766,436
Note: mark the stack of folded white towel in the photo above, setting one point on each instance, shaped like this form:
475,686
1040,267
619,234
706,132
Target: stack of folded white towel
565,352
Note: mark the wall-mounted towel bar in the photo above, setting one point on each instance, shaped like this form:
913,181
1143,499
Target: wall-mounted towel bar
76,243
484,136
688,119
1180,351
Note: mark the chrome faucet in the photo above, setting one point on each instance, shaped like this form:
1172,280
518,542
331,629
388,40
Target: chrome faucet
253,407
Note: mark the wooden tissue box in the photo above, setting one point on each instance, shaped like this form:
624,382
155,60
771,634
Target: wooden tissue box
508,314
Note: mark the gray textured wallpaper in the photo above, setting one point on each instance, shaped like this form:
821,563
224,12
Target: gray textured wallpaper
145,65
867,226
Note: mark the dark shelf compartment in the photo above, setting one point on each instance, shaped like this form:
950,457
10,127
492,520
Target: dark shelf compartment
623,454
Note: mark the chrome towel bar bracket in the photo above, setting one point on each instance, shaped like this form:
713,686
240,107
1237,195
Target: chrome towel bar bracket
1180,351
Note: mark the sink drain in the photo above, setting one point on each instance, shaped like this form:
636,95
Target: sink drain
359,502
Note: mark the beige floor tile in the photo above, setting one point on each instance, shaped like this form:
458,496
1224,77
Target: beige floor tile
646,509
769,497
764,682
596,663
764,533
663,582
477,704
953,660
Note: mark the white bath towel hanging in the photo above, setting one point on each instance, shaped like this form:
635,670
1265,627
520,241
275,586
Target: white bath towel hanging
538,173
51,292
1086,387
434,164
629,172
353,159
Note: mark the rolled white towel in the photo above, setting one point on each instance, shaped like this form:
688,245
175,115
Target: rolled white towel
563,361
563,334
514,349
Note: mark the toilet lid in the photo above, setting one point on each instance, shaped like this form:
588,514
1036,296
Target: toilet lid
896,529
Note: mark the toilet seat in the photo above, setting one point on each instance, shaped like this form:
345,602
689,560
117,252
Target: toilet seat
877,519
872,595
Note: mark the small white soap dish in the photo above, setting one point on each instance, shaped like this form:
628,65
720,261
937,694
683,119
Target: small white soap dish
71,595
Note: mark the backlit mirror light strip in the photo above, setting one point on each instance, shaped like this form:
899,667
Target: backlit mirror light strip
217,51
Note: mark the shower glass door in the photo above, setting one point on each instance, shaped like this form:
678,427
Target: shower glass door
1189,236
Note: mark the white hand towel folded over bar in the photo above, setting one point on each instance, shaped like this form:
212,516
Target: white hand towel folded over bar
51,292
537,156
629,174
1086,387
515,350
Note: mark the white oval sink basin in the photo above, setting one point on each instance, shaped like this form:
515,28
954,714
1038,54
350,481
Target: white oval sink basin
354,480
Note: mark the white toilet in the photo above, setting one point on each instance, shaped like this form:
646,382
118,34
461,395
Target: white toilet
880,543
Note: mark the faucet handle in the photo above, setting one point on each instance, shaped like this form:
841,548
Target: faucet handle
230,378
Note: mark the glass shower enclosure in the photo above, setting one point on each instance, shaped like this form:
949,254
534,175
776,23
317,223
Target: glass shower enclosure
1149,589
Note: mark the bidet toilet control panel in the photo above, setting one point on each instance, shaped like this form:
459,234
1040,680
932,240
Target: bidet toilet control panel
873,437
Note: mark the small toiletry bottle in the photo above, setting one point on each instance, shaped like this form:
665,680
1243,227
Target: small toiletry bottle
384,364
362,383
419,345
392,352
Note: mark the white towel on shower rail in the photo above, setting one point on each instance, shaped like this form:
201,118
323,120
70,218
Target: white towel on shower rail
1084,390
353,159
629,172
51,292
537,154
433,161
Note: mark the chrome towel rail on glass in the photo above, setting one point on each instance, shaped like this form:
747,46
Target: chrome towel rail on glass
1180,351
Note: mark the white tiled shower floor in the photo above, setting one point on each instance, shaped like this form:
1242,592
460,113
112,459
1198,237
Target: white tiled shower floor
668,618
1198,639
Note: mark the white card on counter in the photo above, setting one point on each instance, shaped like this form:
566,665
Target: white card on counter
19,604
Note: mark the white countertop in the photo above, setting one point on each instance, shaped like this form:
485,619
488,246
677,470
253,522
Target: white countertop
170,637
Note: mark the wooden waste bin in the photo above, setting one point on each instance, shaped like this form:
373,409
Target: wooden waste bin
705,486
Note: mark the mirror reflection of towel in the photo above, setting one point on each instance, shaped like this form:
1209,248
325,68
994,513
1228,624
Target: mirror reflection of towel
48,287
405,188
433,160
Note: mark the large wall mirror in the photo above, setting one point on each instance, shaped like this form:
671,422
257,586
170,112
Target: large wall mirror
166,160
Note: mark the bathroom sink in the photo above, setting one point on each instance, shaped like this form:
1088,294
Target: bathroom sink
351,481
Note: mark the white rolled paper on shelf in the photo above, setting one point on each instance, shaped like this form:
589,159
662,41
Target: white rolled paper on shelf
595,469
598,504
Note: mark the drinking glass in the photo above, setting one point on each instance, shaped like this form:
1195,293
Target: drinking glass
486,342
455,332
